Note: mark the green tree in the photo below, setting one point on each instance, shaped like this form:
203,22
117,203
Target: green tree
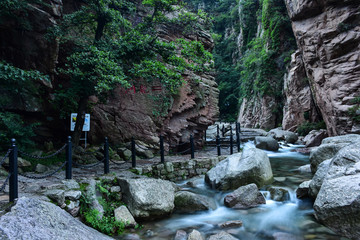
107,52
16,85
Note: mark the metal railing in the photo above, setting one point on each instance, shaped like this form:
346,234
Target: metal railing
13,174
13,153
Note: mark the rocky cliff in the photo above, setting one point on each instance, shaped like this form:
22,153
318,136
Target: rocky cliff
325,74
142,112
145,112
263,61
144,116
299,102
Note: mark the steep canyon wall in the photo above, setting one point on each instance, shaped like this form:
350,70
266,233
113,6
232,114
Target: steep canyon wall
328,37
322,82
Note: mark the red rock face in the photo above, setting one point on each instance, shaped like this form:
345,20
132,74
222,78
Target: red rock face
298,97
328,37
149,112
129,114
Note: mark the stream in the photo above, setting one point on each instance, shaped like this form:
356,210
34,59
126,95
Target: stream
289,220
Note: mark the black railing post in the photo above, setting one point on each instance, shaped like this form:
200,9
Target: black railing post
162,157
237,137
239,134
217,130
192,146
218,145
231,141
106,156
13,164
133,153
68,159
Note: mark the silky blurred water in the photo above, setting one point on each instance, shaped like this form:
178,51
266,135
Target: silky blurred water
292,219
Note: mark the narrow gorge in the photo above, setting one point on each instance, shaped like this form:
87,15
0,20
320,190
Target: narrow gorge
184,120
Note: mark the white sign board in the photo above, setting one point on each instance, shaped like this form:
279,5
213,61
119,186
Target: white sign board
86,126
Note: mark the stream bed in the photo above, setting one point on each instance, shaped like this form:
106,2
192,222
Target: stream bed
289,220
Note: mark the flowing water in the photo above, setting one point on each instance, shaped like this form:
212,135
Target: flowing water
289,220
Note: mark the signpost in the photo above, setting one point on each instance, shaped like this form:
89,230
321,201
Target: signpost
86,126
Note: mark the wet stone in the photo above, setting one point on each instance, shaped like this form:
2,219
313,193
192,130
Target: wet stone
195,235
279,194
231,224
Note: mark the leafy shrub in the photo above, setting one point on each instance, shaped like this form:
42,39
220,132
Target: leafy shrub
107,224
12,126
306,127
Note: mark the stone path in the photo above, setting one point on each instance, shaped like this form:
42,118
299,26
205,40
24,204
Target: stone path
31,187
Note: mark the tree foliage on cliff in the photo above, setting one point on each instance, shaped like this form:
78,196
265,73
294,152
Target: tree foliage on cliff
265,57
249,63
264,62
107,50
21,84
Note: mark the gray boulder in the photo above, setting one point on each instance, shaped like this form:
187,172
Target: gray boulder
322,153
195,235
279,194
148,198
250,166
349,138
122,214
244,197
317,180
314,137
35,219
21,162
56,195
346,162
304,169
329,147
190,202
222,236
303,190
337,204
282,135
266,143
180,235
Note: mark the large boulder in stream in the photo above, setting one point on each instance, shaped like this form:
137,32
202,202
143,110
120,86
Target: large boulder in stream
283,135
244,197
317,180
266,143
148,198
31,218
190,202
337,204
329,147
240,169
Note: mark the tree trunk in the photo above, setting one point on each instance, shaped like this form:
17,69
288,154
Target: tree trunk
80,119
101,22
